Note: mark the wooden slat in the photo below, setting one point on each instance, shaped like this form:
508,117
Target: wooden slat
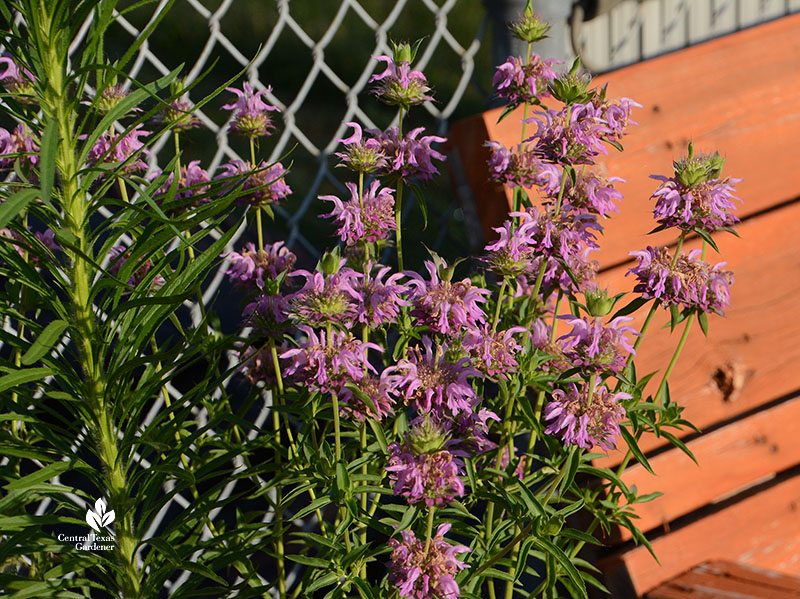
727,580
736,93
729,458
761,531
757,339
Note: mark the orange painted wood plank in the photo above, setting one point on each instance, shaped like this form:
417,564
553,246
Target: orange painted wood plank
762,530
730,458
736,93
756,343
727,580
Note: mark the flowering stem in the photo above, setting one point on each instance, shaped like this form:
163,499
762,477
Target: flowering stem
336,427
361,188
364,495
499,302
527,104
555,316
429,534
123,190
398,205
674,359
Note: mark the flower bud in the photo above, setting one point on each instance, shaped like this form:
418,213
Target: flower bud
572,88
109,98
598,303
694,170
426,438
402,52
330,262
530,28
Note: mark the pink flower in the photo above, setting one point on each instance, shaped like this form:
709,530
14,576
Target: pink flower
178,115
250,269
266,184
363,156
367,218
372,400
586,422
408,156
328,367
519,82
380,301
444,306
691,283
429,477
327,298
399,84
493,354
18,81
250,113
590,194
595,347
110,149
119,255
433,383
706,204
17,145
521,167
572,136
420,574
192,183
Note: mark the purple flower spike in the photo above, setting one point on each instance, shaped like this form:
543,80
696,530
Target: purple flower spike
408,156
586,422
493,353
691,283
572,136
178,116
250,269
191,184
368,218
444,306
399,85
432,383
521,167
420,574
268,315
596,347
590,194
110,149
266,185
17,145
17,81
381,300
429,477
250,113
363,156
707,204
372,400
327,298
519,82
328,367
616,114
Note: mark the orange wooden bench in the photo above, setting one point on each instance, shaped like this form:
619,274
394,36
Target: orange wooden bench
741,385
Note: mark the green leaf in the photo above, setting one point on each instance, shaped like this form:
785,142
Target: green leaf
634,447
309,561
706,236
16,204
702,318
44,342
39,476
630,307
565,563
679,444
408,518
47,158
377,430
319,502
326,580
20,377
506,111
423,205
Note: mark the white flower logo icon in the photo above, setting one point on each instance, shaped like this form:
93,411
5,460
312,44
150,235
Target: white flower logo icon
99,518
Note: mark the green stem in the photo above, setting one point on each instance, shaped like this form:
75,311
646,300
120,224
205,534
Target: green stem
499,302
336,426
674,359
429,533
398,205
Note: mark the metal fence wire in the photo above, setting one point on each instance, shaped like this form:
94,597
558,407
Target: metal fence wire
317,56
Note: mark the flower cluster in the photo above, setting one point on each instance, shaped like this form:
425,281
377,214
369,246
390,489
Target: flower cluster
361,154
406,155
584,420
520,167
17,145
250,268
251,115
706,204
193,184
399,84
262,185
573,135
521,81
367,216
595,347
18,81
115,148
688,281
118,257
421,573
327,364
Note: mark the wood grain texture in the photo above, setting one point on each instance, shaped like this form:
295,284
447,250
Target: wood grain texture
730,458
728,580
755,344
762,531
736,93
